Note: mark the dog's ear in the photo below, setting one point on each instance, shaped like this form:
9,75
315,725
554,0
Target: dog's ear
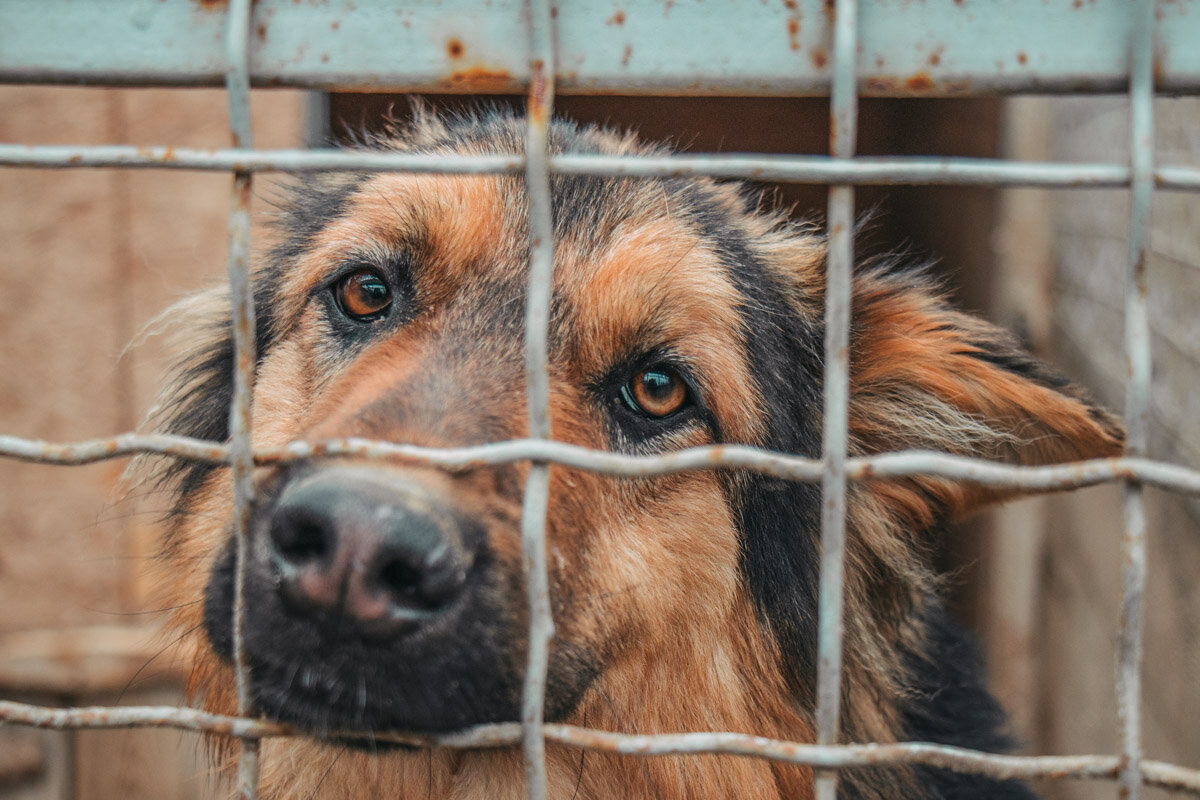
924,376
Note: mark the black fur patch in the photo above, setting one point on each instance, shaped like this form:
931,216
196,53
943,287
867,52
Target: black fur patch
950,704
777,519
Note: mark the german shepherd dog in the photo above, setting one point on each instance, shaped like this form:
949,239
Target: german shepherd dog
387,596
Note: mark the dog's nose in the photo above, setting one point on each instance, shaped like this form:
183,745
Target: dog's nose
365,548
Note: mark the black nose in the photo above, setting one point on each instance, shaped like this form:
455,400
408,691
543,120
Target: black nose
366,548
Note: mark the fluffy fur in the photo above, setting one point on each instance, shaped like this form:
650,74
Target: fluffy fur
683,602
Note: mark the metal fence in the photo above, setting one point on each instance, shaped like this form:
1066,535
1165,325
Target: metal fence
1126,46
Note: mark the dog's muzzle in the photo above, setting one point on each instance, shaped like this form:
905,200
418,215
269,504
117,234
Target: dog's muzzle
371,602
365,547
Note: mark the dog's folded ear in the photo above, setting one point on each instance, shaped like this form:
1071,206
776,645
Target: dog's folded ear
924,376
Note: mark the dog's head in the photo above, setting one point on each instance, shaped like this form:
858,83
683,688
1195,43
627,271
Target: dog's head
391,595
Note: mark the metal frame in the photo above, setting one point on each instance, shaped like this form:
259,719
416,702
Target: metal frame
1155,55
685,47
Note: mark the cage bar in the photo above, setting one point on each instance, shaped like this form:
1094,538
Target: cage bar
1092,767
237,89
981,472
540,108
907,171
843,133
1137,396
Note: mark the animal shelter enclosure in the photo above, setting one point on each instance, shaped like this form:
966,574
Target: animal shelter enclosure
1074,222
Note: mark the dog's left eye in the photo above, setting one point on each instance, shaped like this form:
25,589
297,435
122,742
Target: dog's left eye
657,392
363,296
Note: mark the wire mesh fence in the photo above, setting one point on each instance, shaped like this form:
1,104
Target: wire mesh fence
833,470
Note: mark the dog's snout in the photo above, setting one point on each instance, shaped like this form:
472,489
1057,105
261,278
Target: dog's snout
366,549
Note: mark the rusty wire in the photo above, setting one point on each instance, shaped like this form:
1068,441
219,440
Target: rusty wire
898,464
843,135
237,91
540,107
1137,397
1097,767
877,171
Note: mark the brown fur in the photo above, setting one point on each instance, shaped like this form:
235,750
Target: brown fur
647,575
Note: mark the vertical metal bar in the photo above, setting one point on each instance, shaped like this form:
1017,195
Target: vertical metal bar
237,85
1137,394
537,324
317,123
843,121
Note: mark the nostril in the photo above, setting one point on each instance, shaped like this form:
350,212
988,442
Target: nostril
299,541
428,586
403,582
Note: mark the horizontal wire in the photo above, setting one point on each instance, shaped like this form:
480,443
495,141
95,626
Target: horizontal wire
1156,773
798,169
899,464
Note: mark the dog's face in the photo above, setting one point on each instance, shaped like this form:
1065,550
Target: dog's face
391,595
387,596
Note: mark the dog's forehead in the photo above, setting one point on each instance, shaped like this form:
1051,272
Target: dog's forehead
625,253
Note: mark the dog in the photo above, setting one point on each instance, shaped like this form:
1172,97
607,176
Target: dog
390,596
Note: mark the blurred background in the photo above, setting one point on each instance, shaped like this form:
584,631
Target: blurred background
90,256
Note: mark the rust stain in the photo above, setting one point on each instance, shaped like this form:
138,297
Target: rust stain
793,24
455,48
819,59
210,5
626,54
333,26
935,58
481,79
261,30
1022,58
537,110
919,82
616,19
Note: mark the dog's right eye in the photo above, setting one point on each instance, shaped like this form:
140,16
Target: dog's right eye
656,392
363,296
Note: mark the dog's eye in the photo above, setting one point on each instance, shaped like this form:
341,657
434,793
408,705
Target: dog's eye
363,296
657,392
